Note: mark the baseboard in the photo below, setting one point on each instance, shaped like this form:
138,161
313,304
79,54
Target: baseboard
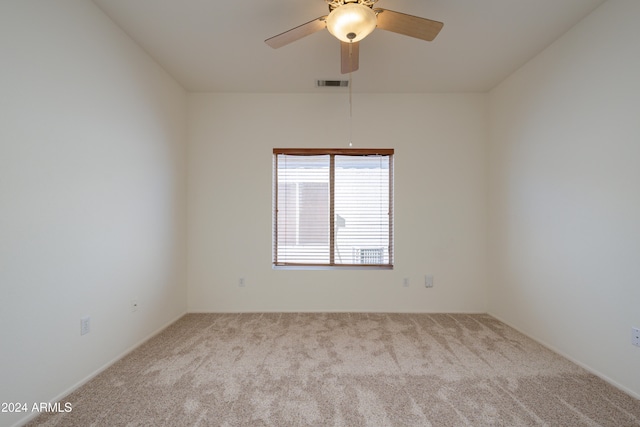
208,311
99,370
572,359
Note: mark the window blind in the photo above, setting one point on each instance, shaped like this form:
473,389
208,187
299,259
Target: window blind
333,207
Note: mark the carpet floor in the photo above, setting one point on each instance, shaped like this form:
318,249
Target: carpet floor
344,369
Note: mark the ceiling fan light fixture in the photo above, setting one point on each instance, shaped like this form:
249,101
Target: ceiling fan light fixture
351,22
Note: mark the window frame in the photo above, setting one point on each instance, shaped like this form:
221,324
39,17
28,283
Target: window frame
332,152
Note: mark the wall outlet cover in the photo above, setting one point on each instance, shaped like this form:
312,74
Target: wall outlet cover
85,325
428,281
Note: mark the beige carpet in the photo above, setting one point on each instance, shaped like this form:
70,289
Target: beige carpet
344,370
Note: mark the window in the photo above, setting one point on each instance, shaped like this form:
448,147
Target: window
333,208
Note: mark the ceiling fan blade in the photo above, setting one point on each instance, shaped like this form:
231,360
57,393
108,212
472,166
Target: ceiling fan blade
297,33
349,55
408,25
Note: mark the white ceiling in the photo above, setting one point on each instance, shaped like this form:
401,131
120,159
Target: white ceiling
216,46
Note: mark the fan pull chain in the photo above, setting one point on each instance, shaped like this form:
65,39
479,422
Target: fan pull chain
350,98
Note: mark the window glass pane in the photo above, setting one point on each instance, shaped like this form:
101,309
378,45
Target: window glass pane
303,209
362,209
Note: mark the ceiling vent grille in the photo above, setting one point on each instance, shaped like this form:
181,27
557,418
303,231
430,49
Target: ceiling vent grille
332,83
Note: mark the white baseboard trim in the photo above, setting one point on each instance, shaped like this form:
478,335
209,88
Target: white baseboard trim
95,373
571,358
209,311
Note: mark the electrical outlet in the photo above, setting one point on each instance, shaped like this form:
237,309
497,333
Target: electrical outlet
241,282
405,282
635,336
428,281
85,325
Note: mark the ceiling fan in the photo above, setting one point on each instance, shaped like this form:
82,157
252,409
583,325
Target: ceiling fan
352,20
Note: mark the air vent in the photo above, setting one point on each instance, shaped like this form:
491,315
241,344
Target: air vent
332,83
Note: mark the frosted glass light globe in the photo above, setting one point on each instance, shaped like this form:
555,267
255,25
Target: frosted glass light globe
351,22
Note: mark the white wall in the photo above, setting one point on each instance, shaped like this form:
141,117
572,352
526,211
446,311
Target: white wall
565,196
92,197
440,200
